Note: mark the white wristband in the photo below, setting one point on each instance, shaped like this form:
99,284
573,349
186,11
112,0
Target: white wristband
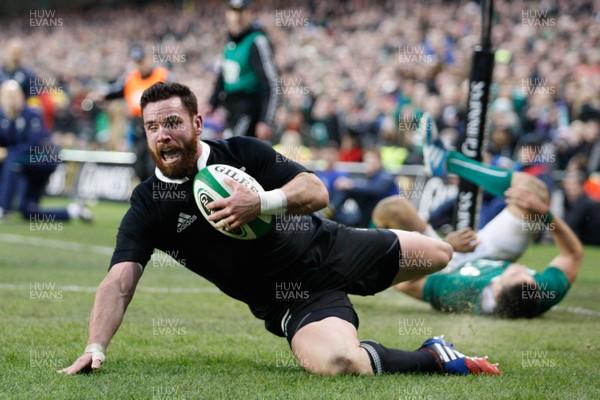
273,202
97,351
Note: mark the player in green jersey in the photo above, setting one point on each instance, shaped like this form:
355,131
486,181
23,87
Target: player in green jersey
482,277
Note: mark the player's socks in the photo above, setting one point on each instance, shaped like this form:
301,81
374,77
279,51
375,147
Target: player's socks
492,179
435,355
384,360
439,161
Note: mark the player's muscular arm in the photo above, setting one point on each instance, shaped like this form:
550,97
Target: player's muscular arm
112,298
571,251
305,194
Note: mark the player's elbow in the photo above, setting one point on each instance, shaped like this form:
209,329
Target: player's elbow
576,258
122,279
578,252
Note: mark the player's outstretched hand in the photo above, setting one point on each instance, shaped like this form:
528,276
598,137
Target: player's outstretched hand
463,240
90,360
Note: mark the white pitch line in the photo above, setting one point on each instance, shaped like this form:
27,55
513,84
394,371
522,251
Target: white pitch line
577,310
103,250
92,289
204,290
55,244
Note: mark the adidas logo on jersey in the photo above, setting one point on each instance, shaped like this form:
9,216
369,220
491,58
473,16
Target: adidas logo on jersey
184,221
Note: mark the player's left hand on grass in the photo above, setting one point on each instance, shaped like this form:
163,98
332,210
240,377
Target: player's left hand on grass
464,240
526,199
91,359
241,207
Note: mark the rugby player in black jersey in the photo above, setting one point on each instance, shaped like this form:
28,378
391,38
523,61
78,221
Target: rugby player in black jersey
326,261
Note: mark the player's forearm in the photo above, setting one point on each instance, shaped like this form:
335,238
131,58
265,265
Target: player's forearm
566,240
106,316
305,194
112,298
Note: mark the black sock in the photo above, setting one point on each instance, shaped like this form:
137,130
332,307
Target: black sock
384,360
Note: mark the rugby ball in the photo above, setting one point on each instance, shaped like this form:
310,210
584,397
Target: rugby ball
209,185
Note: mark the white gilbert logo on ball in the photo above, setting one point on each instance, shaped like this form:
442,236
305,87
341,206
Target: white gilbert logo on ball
209,185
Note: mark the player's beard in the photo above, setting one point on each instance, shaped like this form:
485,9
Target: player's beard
185,167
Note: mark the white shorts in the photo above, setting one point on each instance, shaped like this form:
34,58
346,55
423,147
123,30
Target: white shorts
506,238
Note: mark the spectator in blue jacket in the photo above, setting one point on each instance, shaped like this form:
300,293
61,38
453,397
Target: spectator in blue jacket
355,198
30,159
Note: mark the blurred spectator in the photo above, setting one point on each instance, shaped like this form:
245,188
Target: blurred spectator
294,120
582,213
64,120
356,65
350,149
568,142
592,138
364,191
393,153
501,142
36,90
30,159
578,164
85,111
20,128
536,158
131,89
291,146
247,85
329,173
325,125
14,68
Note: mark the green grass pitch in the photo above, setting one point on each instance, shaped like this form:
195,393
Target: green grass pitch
183,339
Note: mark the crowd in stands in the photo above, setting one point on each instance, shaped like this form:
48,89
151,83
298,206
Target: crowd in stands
354,73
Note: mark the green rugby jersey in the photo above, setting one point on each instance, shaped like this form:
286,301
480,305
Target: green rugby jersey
460,290
238,74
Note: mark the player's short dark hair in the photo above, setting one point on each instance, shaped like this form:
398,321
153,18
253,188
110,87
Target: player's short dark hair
518,301
165,90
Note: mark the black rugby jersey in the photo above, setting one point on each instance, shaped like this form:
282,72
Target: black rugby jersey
164,215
